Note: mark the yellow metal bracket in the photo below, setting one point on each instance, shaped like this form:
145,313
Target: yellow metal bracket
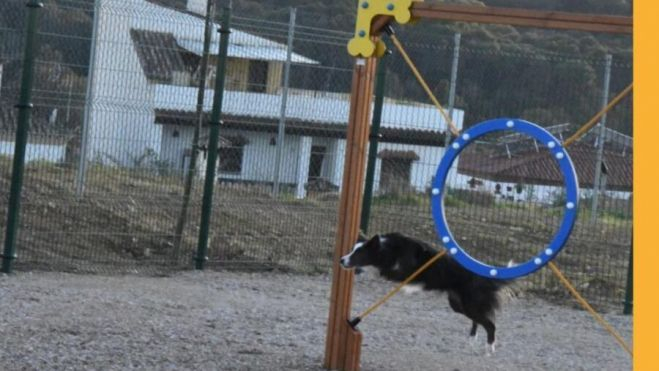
361,44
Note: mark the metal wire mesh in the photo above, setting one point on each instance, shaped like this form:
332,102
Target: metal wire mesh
505,195
111,141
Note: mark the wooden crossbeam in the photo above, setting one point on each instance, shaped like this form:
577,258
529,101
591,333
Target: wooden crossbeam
523,17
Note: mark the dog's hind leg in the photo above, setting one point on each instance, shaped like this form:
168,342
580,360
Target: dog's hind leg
473,335
480,309
490,328
474,327
456,304
483,320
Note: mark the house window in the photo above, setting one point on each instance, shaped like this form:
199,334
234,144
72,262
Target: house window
210,77
231,160
236,74
258,76
396,170
231,155
473,183
316,162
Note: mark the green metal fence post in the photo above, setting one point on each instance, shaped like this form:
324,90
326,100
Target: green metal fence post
195,147
24,112
629,288
207,205
373,145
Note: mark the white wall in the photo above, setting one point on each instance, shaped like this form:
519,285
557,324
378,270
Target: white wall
422,171
122,118
36,152
258,155
336,162
173,148
303,157
197,6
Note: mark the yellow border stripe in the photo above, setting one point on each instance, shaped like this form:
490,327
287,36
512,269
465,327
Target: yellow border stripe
646,178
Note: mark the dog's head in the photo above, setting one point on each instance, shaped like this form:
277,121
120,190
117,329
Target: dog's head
365,252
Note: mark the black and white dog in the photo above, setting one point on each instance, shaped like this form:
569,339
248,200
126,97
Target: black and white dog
397,256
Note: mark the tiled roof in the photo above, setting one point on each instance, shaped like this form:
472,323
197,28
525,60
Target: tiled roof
176,4
159,54
534,167
401,155
170,16
305,107
301,127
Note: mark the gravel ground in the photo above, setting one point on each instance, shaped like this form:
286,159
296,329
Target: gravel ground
273,321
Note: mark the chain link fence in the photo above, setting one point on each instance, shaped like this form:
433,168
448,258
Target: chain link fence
119,119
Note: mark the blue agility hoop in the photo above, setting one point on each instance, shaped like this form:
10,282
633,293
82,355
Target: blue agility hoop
571,204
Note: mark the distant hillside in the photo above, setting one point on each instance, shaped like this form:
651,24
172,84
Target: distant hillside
340,15
504,70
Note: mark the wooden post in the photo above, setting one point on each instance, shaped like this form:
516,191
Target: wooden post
343,344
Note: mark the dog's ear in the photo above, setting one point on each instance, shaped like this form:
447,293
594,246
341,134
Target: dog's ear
377,240
362,236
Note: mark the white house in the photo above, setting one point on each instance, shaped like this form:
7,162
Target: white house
315,125
123,97
516,169
144,99
47,139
